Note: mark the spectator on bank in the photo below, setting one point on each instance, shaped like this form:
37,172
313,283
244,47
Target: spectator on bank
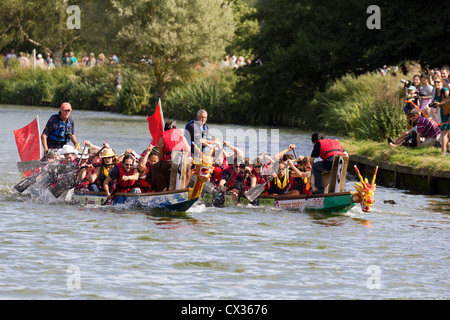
92,61
445,75
118,81
426,128
48,59
9,56
226,62
40,63
72,59
426,94
23,61
101,59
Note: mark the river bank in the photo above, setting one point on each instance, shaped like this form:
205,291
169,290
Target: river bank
420,170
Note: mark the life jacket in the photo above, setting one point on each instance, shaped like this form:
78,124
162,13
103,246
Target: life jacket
330,147
216,174
142,181
172,140
204,134
230,183
282,183
64,132
102,175
124,186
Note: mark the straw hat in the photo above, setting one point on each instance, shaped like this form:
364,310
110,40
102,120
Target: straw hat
107,152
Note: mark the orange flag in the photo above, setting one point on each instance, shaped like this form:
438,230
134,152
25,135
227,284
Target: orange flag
156,124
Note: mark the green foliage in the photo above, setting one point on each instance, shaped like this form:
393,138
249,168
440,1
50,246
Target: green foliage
213,94
363,107
134,97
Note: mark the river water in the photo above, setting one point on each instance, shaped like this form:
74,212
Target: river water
52,250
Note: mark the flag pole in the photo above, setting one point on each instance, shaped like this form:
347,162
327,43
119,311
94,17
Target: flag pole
39,131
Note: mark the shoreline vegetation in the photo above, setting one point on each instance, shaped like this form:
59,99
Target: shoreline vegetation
364,109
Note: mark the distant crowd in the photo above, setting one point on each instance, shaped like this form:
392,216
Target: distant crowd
69,59
427,107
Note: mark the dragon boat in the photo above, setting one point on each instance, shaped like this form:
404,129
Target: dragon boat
175,199
336,201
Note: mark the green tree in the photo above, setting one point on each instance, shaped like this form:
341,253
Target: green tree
176,34
40,23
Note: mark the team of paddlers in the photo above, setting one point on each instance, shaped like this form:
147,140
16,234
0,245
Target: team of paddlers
103,169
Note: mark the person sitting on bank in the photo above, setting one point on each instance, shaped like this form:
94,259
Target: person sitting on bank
171,140
426,128
98,175
326,149
59,130
124,176
407,138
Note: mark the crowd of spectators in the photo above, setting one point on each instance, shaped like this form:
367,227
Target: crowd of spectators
428,118
68,59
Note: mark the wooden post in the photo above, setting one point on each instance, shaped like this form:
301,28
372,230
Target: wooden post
178,171
338,173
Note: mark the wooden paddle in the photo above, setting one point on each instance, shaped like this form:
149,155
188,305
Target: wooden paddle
68,182
26,183
254,192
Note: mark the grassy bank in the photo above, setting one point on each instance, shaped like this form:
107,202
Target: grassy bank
424,158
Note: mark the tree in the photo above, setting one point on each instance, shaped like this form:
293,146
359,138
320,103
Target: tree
176,34
42,23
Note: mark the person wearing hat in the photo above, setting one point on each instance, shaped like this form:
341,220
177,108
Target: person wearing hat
407,138
59,130
70,155
426,128
98,175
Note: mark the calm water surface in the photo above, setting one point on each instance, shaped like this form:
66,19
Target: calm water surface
52,250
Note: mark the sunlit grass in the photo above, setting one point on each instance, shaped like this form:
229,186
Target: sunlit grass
422,158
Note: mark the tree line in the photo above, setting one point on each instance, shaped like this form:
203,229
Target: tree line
304,45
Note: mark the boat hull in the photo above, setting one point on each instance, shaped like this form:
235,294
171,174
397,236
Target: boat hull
177,200
331,203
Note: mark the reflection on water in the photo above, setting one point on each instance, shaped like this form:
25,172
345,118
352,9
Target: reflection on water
208,253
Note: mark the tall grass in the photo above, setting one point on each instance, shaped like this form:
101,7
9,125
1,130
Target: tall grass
213,94
365,107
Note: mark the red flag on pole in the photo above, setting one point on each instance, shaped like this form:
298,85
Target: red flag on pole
27,141
156,124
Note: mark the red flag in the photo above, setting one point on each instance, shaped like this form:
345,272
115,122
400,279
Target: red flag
156,124
27,141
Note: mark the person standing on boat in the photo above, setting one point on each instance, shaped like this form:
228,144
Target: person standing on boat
196,131
326,149
59,130
159,173
124,176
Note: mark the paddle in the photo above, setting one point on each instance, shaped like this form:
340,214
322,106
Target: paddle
26,183
50,168
68,182
254,192
29,165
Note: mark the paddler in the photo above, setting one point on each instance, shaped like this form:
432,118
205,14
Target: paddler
326,149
